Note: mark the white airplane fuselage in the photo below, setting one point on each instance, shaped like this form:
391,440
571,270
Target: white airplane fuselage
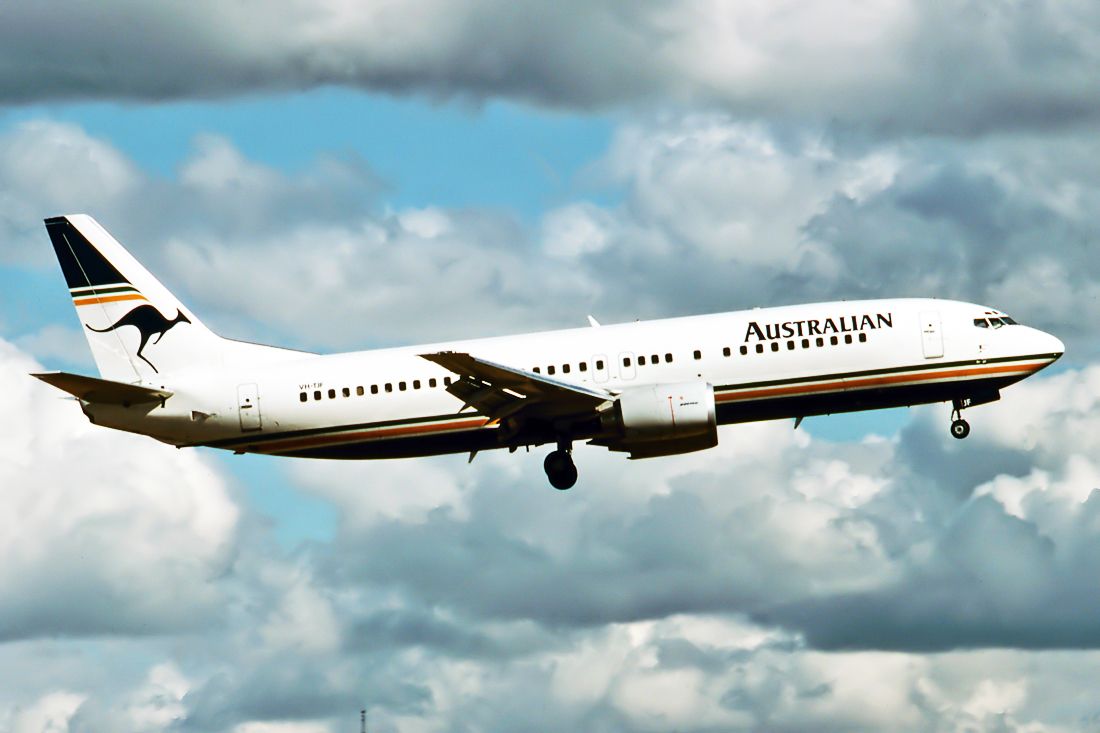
648,388
765,363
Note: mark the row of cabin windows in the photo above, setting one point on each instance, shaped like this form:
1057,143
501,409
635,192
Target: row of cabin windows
653,359
552,369
794,343
374,389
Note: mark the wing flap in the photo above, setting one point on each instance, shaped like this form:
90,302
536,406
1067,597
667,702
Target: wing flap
102,391
500,391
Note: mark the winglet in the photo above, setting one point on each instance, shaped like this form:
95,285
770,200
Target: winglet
593,322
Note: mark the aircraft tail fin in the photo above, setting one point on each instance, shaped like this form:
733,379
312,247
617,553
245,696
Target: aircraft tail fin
135,327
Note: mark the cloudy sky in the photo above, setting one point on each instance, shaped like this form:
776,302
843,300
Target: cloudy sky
339,175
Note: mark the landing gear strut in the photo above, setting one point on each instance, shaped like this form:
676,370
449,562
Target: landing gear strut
959,428
559,467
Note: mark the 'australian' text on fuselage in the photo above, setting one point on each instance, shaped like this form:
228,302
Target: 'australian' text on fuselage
818,326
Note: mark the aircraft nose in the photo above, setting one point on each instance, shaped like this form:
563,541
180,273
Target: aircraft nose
1051,344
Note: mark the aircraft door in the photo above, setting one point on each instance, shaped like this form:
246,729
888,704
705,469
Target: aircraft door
627,369
931,334
248,401
599,368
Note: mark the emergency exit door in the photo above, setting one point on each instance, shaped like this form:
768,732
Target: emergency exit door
931,334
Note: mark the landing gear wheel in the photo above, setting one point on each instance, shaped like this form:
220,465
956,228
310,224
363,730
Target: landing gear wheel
960,428
560,470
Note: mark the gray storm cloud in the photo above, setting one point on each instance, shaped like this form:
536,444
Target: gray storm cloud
889,66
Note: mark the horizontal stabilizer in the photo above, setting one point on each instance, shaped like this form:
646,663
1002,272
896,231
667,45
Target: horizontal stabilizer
103,391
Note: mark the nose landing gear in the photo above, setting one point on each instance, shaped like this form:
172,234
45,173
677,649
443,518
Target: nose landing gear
559,467
959,428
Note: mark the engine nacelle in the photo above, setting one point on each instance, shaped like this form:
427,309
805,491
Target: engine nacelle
662,420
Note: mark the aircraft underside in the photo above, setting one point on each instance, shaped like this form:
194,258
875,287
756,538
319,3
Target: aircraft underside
361,441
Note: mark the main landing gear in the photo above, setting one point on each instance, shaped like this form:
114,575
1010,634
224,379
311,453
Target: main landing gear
959,428
559,467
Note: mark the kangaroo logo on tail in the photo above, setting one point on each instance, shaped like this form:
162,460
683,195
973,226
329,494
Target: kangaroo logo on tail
149,322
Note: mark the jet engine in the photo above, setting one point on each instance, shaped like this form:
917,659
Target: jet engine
661,420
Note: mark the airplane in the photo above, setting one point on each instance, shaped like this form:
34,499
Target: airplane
647,389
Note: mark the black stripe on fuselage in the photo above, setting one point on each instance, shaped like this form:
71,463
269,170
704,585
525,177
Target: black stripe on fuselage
936,366
856,400
335,430
477,439
772,408
455,441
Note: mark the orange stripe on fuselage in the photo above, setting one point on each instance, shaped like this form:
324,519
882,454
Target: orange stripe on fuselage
883,381
109,299
374,434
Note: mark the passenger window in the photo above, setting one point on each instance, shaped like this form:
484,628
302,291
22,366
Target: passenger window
550,369
760,348
626,361
641,360
775,346
698,354
847,338
726,351
599,363
744,350
583,366
790,346
389,386
668,358
820,341
654,360
402,386
359,391
863,338
981,323
833,340
432,382
446,381
332,394
303,397
346,391
805,343
416,384
317,395
374,389
564,368
537,370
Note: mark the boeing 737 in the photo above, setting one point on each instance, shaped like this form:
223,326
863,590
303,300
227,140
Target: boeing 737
649,388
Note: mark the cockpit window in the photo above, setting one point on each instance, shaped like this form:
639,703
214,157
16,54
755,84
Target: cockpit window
994,321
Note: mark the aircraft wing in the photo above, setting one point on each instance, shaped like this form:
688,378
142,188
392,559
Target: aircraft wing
103,391
500,391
